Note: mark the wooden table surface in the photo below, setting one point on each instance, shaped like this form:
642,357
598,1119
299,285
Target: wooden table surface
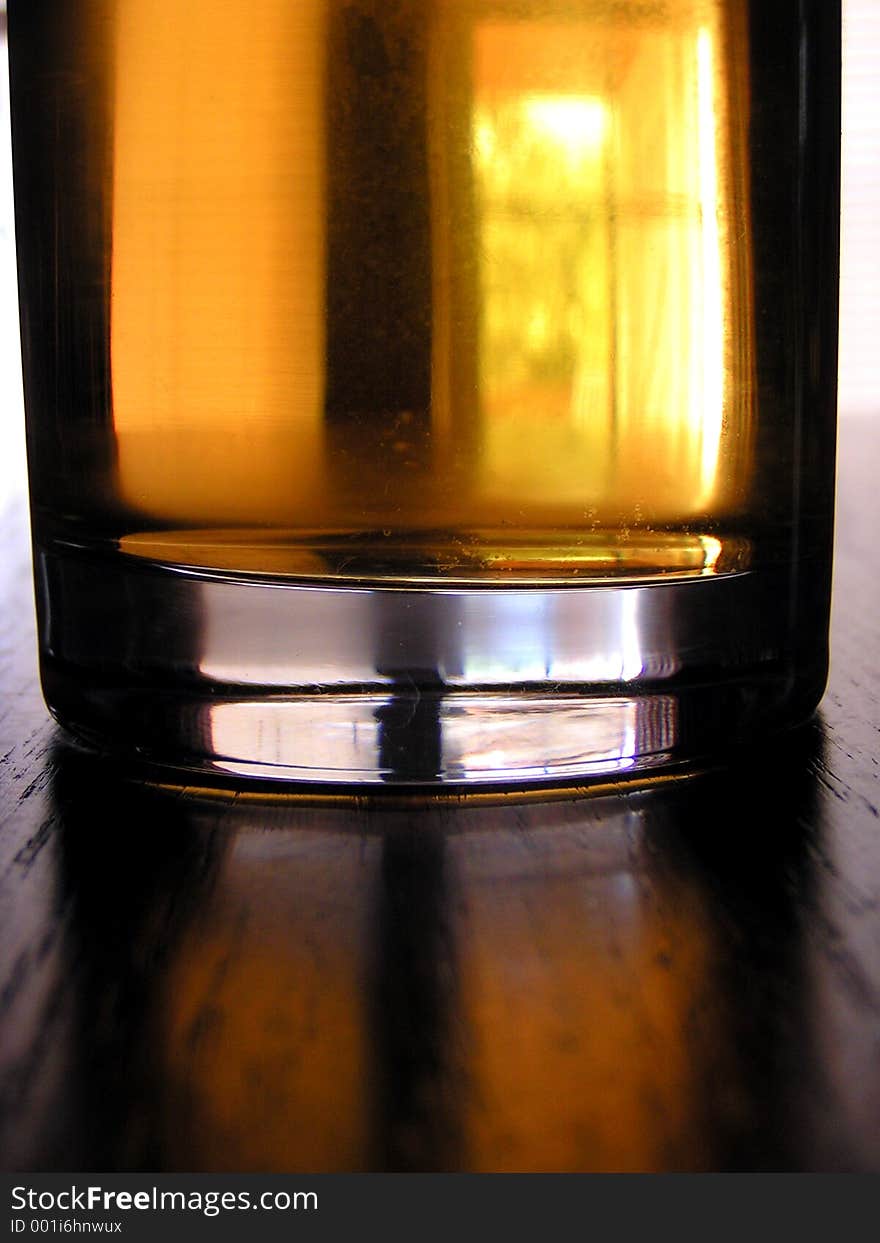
681,978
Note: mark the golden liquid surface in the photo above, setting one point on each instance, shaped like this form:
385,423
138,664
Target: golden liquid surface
430,287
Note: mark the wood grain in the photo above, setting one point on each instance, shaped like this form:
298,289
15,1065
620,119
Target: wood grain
682,978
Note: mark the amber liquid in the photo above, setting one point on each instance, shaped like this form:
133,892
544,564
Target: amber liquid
406,289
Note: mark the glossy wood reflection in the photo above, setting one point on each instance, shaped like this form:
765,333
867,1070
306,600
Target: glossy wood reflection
561,986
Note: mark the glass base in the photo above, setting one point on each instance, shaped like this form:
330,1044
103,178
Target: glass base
281,680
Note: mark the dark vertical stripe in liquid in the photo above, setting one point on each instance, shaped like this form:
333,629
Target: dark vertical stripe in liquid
379,239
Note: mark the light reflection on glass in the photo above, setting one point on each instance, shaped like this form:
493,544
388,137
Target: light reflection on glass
333,734
241,644
526,640
358,639
712,286
586,737
475,738
606,304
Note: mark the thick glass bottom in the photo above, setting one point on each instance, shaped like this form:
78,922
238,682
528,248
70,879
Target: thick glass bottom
464,558
275,679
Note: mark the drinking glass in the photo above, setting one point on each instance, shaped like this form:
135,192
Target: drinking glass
429,391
